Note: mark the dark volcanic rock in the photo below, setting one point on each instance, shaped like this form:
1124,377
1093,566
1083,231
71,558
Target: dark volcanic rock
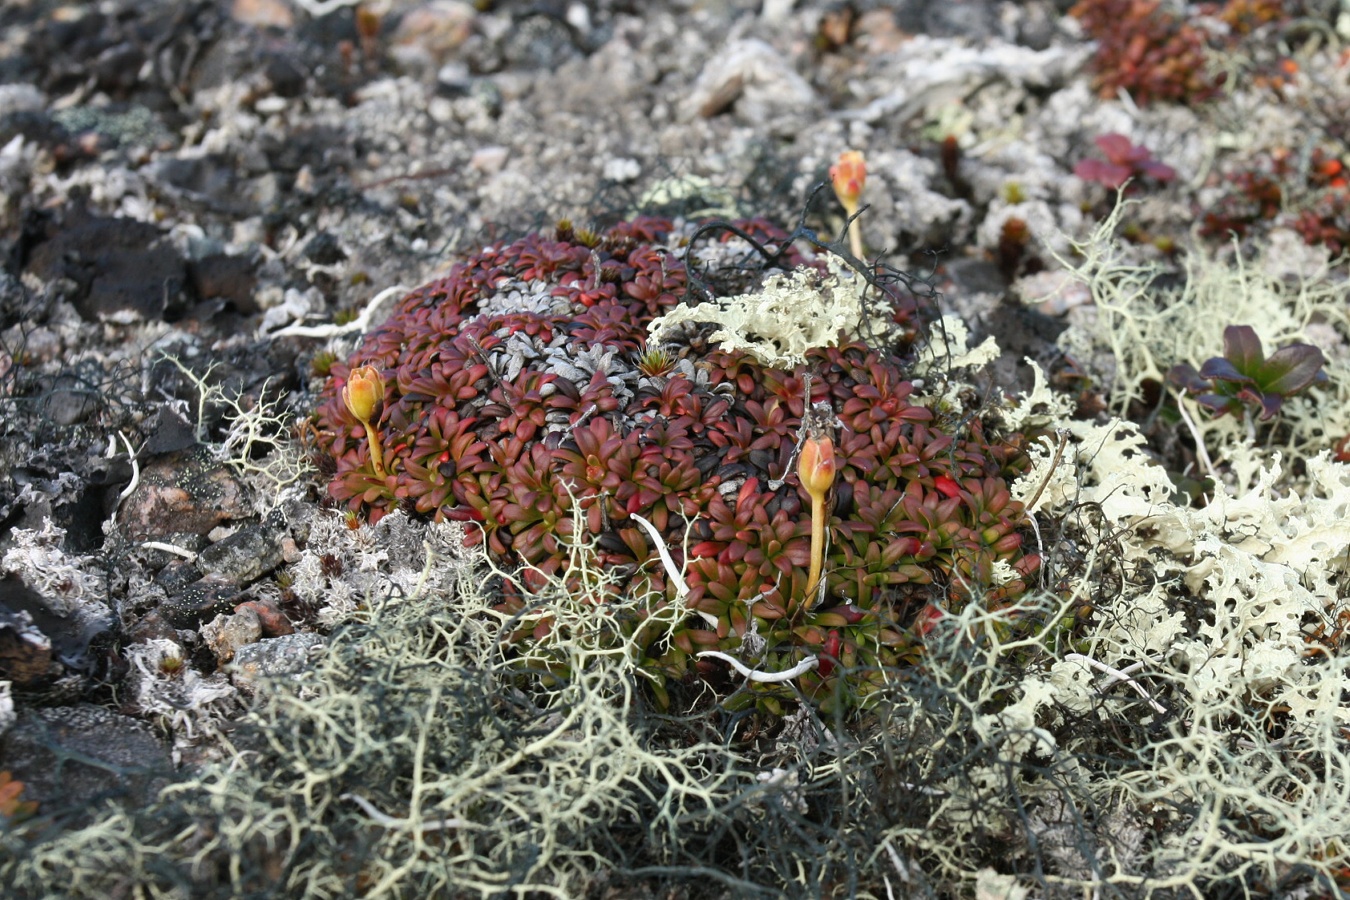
71,632
169,433
121,269
244,556
200,601
25,651
324,249
177,575
71,759
230,278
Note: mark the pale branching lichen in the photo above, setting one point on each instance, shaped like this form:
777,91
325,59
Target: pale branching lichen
1142,323
7,714
1263,559
192,707
779,322
949,347
570,618
69,584
259,442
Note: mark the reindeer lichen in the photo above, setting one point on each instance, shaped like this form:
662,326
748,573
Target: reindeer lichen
777,323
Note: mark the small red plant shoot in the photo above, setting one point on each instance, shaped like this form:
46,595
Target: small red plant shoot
1147,49
1124,161
12,809
1245,378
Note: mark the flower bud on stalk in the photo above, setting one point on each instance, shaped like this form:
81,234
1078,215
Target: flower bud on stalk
816,469
848,176
364,396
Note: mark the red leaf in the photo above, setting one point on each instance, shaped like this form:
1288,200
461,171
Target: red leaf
947,485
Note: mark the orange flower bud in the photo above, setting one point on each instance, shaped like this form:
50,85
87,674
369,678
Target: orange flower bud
364,393
848,176
816,466
816,469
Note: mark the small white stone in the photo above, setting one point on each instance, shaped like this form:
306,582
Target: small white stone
579,17
622,169
271,105
489,160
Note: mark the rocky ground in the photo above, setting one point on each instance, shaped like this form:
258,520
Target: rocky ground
204,203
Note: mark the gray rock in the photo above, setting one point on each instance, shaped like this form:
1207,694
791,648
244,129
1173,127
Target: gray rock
209,177
968,19
20,98
199,601
298,515
273,658
188,492
68,400
226,635
754,78
537,42
244,556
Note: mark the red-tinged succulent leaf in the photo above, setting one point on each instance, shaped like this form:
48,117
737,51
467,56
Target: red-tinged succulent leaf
703,639
928,618
848,614
947,486
683,641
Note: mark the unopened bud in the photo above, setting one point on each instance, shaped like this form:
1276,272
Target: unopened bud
848,176
816,466
364,393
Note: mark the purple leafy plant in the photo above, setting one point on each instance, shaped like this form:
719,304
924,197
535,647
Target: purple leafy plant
1245,378
1123,162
